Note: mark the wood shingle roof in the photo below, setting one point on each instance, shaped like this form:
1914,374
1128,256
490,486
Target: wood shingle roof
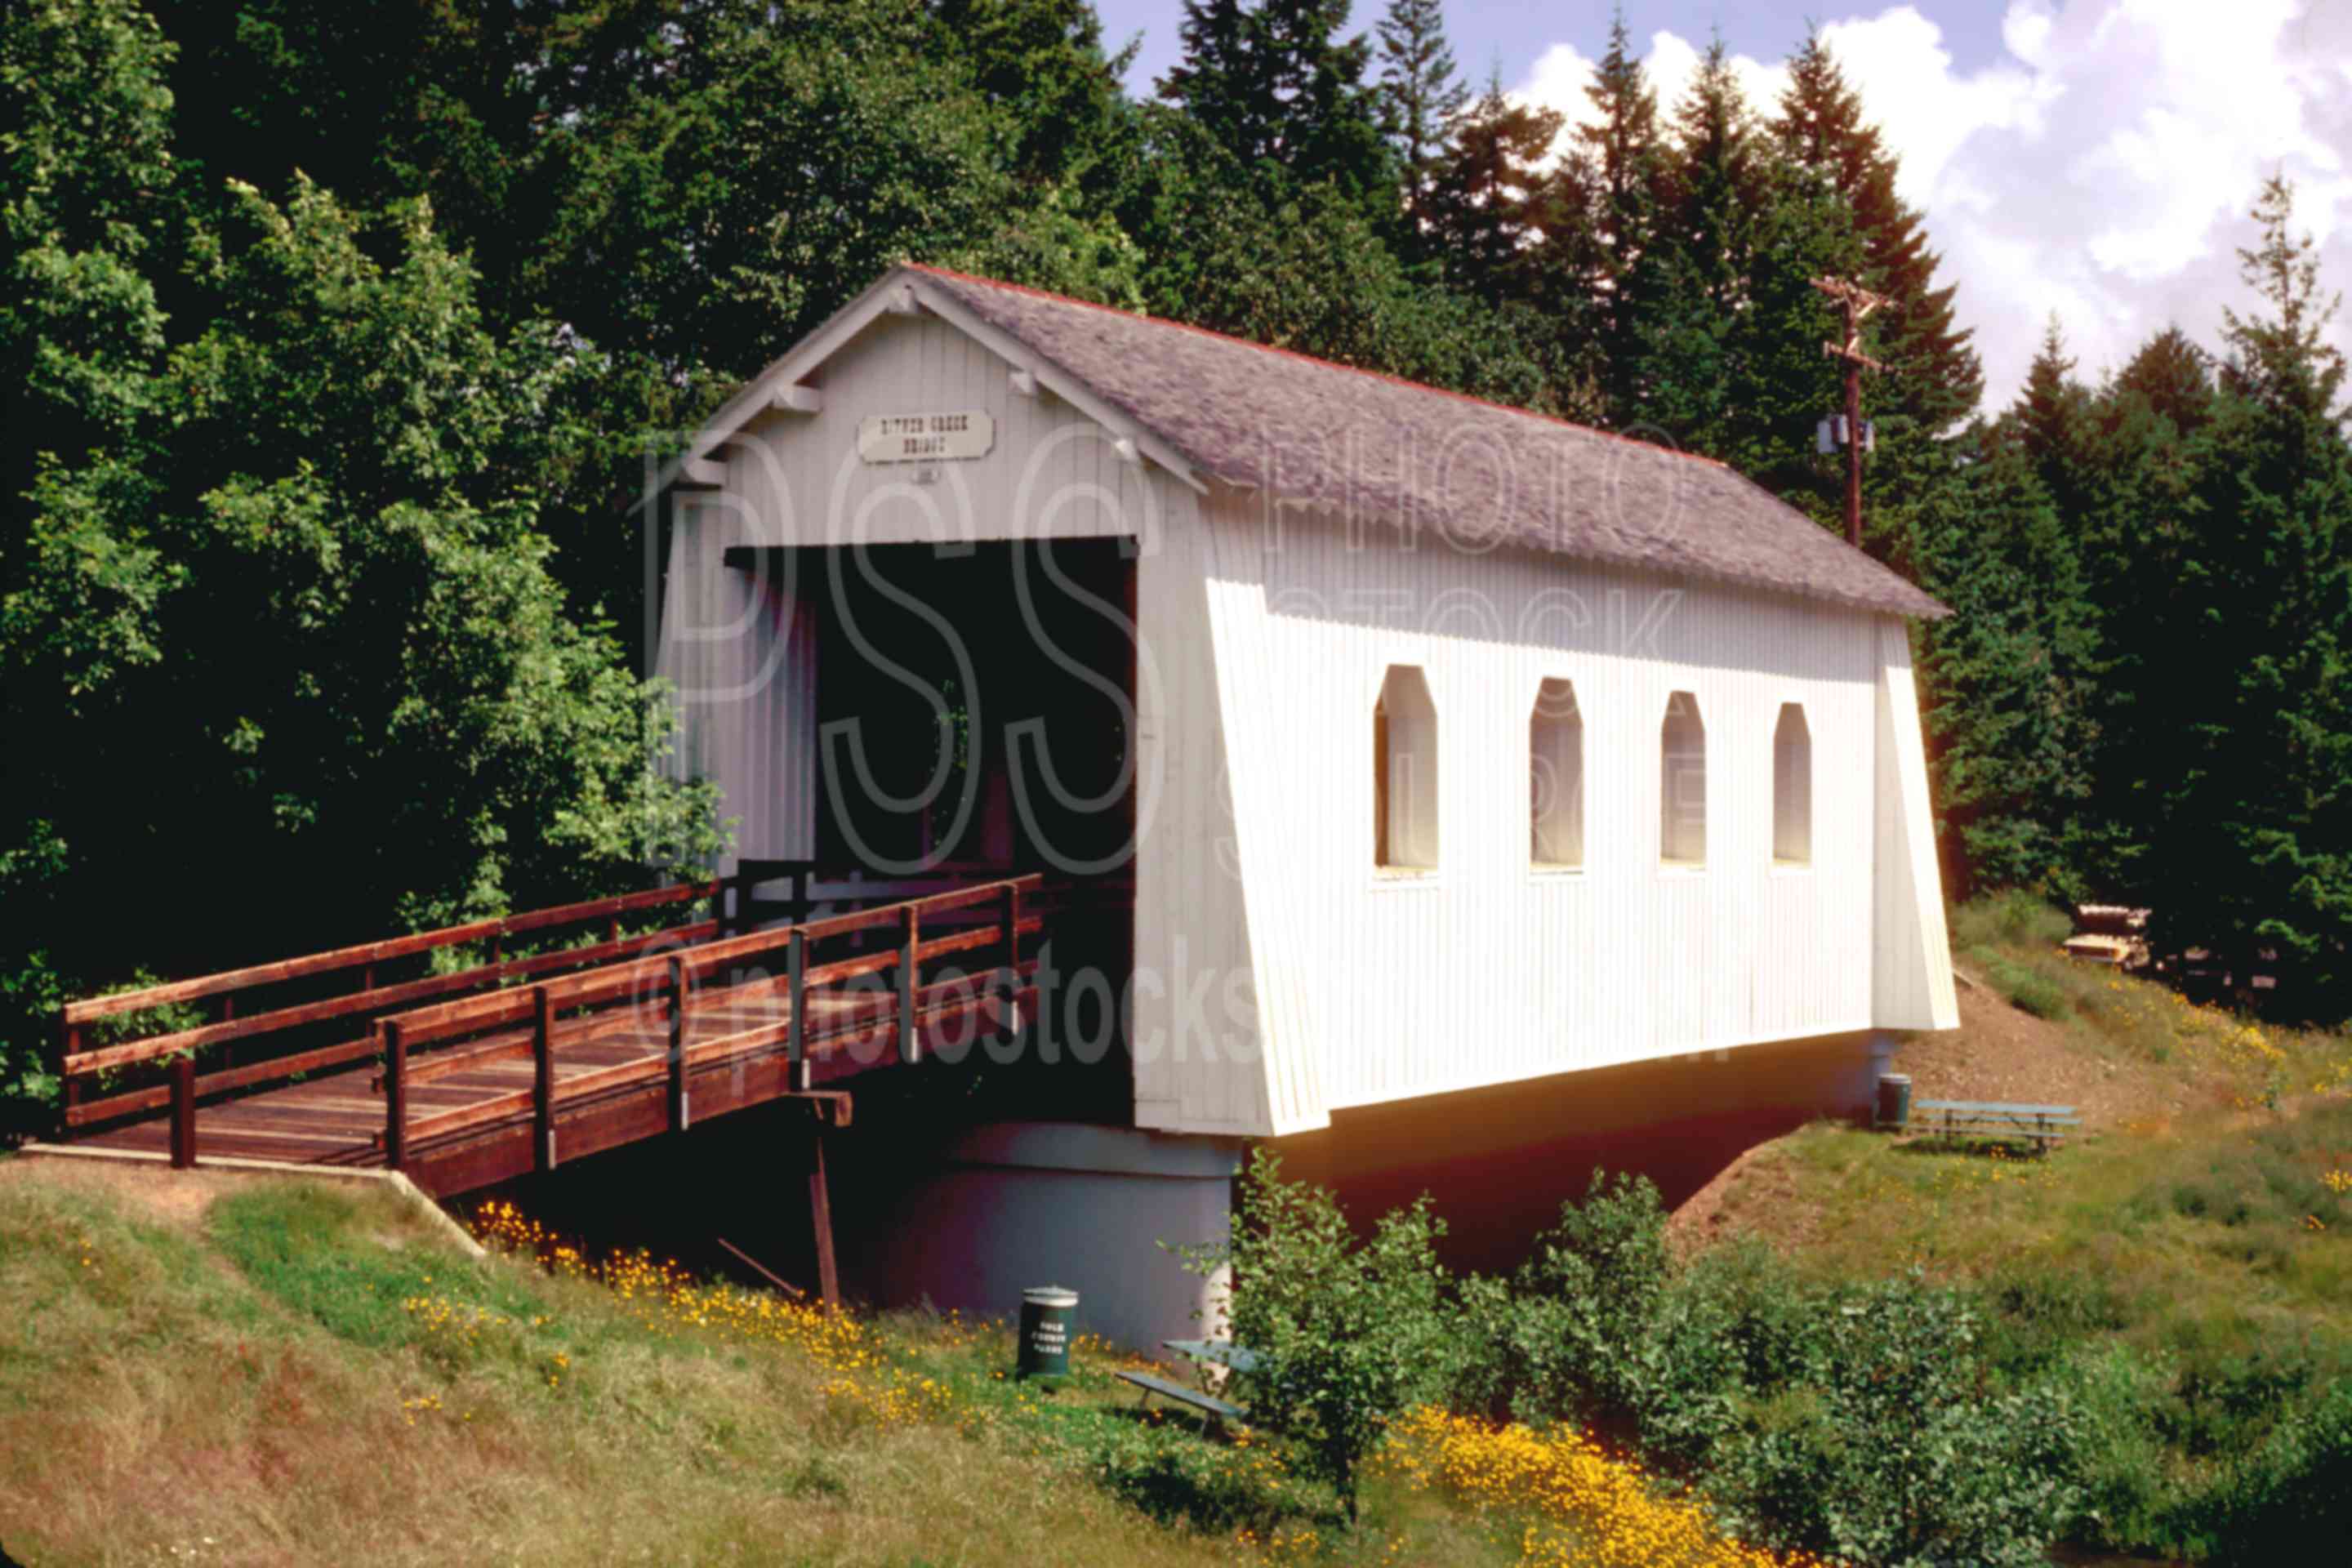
1413,455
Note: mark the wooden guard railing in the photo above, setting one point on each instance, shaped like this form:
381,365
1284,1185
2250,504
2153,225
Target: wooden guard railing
184,1089
657,994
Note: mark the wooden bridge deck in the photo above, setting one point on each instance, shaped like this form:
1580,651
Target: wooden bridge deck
634,1037
339,1119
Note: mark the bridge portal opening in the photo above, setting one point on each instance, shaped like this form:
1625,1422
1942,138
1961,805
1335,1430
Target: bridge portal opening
975,707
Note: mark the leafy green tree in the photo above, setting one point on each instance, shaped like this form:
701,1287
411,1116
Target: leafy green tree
277,613
1348,1332
1042,64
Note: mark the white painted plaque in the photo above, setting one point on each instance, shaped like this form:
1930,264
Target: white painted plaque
925,438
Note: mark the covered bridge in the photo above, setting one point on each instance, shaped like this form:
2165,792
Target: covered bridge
1401,745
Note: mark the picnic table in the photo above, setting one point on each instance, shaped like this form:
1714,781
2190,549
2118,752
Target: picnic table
2044,1124
1235,1358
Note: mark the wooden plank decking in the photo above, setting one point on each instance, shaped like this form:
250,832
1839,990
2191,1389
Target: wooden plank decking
466,1093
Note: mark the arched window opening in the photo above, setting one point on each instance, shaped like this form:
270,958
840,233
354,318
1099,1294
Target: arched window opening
1682,793
1792,788
1556,778
1404,772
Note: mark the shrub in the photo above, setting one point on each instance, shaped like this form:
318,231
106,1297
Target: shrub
1348,1333
2015,918
2291,1493
1865,1423
2026,989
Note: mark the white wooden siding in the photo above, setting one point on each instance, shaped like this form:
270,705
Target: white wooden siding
1376,988
1913,962
1053,473
738,649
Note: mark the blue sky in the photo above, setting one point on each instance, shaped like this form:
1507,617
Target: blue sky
2092,158
1511,33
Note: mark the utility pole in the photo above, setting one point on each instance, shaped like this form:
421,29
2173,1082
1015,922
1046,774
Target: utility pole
1859,302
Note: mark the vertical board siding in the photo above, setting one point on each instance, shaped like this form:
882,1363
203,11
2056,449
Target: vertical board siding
1376,988
1053,473
1913,962
738,649
740,646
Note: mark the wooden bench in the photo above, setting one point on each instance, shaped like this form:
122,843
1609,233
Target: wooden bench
1166,1389
2044,1124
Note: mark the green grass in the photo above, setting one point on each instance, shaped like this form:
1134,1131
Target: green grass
2010,941
2199,1239
2187,1273
308,1373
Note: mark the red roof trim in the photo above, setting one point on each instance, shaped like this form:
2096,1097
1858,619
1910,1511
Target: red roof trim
1310,359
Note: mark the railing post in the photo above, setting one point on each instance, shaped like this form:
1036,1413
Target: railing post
677,995
68,1048
395,1096
1011,958
542,1075
184,1111
911,1048
797,1048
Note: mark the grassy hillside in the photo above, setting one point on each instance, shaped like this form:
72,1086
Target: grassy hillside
210,1369
2190,1258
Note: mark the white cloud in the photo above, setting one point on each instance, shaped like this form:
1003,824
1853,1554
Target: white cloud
2103,168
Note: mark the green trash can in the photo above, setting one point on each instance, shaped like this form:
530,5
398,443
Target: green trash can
1046,1313
1894,1100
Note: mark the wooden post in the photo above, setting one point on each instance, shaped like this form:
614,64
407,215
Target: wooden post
911,1048
1852,447
367,977
542,1075
828,1281
1011,958
395,1096
677,994
68,1048
796,1048
184,1111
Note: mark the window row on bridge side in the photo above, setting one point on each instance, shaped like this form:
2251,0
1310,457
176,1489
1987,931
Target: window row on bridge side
1405,778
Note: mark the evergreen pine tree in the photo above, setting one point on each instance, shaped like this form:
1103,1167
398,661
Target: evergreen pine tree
1483,211
1274,83
1695,325
1625,162
2006,680
2246,739
1422,92
1938,380
2053,416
